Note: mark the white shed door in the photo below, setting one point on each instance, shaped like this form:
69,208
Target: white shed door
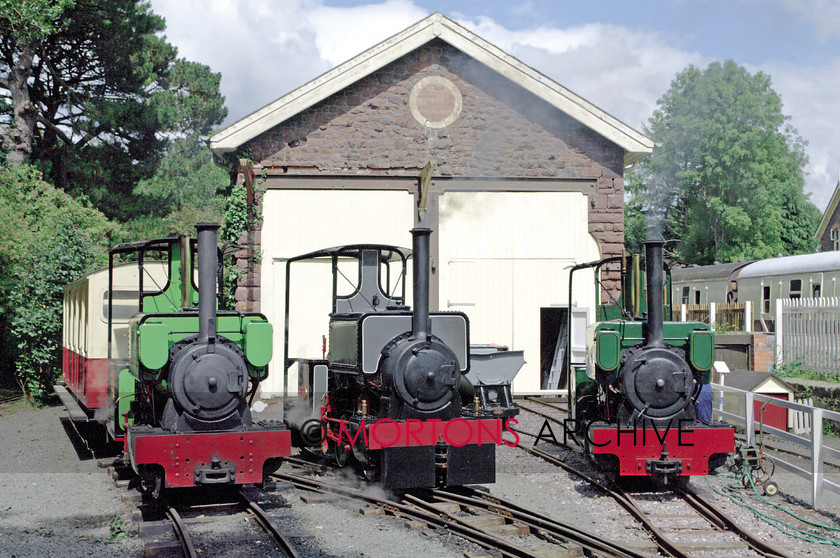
296,222
505,255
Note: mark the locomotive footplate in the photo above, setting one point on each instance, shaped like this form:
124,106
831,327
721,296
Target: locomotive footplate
190,459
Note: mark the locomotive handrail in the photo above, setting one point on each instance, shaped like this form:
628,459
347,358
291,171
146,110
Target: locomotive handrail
818,450
392,253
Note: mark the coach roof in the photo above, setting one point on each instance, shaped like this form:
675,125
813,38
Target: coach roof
805,263
705,272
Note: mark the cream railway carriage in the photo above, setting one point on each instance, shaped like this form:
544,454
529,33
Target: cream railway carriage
85,331
761,282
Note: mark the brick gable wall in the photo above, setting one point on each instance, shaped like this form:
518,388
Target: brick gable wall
826,244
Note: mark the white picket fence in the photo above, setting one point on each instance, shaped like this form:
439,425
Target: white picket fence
808,332
802,420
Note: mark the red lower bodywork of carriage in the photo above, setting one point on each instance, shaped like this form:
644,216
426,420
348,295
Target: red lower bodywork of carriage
86,378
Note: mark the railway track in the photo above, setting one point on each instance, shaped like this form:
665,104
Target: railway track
493,523
681,510
10,398
193,529
552,403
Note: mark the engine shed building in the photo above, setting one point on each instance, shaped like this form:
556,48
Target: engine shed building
526,179
828,231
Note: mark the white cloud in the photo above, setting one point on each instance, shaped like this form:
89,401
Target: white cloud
262,51
810,100
621,71
824,15
342,33
265,49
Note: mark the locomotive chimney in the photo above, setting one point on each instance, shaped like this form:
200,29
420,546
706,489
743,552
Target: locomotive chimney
207,267
420,316
654,334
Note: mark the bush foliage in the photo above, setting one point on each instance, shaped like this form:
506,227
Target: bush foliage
47,239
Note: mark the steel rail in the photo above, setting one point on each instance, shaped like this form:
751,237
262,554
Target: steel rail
268,526
454,520
718,517
10,399
715,516
536,520
477,498
624,500
181,533
541,414
302,463
508,550
532,399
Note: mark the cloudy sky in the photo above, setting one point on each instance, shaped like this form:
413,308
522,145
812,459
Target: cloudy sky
619,55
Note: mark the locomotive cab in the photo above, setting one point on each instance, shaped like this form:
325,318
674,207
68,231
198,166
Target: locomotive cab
388,392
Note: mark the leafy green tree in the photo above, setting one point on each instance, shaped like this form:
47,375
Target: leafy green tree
726,179
93,94
47,239
187,188
24,24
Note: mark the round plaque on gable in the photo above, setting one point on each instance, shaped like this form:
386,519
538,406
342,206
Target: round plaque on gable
435,102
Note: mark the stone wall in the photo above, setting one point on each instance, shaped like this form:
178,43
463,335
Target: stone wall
374,128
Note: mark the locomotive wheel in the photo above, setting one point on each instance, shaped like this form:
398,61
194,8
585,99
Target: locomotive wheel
771,489
370,470
151,483
341,454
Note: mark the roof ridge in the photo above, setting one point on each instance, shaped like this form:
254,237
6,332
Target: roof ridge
635,144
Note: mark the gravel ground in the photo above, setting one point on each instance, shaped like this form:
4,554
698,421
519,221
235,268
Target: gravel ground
604,516
55,501
52,501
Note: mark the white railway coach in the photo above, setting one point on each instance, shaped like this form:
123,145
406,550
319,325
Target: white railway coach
761,282
85,326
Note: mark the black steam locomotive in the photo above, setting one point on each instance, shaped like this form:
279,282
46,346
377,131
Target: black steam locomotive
635,400
390,393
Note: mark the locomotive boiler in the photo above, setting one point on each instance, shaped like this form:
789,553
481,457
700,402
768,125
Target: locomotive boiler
390,392
634,401
175,382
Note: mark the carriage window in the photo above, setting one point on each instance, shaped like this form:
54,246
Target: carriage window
795,288
816,291
125,305
685,293
765,300
696,297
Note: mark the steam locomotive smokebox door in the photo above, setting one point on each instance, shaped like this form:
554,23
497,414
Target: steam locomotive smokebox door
408,467
471,464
